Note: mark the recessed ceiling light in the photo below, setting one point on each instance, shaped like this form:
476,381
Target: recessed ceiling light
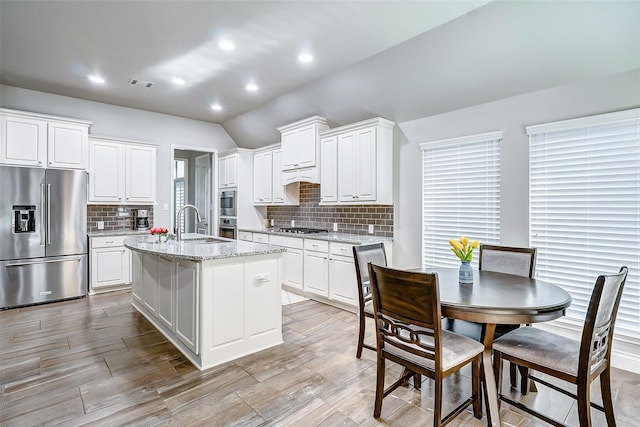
252,87
216,107
96,79
178,81
305,57
226,45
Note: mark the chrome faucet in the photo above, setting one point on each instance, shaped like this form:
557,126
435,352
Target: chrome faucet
178,229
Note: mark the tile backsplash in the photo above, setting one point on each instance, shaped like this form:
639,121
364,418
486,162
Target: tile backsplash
353,219
115,217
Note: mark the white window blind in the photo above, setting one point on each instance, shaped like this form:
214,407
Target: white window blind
460,195
585,207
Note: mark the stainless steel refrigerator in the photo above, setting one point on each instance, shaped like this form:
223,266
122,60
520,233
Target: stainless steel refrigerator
43,235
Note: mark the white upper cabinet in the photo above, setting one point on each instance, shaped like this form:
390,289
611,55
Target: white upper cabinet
277,188
228,171
36,140
301,146
329,169
140,173
121,172
262,177
358,165
268,185
106,171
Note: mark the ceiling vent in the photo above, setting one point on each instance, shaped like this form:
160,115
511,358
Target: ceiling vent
141,83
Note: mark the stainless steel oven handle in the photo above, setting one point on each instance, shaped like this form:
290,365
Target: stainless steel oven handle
42,216
20,264
48,214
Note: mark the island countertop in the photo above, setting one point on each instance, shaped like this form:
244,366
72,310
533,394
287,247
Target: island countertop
354,239
193,247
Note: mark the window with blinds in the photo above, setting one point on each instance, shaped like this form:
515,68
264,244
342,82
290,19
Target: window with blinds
460,195
585,207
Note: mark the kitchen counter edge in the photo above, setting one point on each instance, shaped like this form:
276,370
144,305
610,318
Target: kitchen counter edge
355,239
199,252
117,233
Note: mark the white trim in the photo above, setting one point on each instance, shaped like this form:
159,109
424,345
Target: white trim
214,177
599,119
489,136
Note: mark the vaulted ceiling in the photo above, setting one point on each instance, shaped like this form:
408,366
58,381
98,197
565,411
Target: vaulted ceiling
398,59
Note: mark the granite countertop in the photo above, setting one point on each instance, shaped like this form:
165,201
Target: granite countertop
192,248
354,239
124,232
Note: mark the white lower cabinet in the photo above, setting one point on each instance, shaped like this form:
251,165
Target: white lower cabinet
316,266
136,276
110,264
246,236
150,282
292,260
212,311
261,238
186,303
166,286
343,284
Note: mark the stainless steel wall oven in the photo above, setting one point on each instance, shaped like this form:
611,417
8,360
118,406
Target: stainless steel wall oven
228,203
228,228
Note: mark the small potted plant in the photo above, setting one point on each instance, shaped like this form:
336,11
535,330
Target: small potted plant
161,234
464,250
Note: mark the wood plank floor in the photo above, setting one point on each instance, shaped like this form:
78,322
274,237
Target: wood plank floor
96,361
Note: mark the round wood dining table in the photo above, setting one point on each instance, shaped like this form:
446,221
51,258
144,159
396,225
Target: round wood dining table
497,298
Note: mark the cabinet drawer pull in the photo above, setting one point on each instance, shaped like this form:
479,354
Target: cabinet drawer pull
108,241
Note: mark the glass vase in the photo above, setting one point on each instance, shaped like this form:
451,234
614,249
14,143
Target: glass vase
466,272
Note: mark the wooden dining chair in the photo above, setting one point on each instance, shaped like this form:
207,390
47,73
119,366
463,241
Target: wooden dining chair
409,333
363,255
501,259
577,362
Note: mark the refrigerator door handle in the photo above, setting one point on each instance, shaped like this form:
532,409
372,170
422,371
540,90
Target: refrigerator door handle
48,214
42,216
20,264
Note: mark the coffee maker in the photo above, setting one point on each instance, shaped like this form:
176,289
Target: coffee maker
141,219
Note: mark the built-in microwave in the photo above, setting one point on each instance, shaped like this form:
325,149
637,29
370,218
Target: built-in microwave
228,203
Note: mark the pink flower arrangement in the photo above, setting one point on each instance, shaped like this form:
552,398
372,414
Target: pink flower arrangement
158,230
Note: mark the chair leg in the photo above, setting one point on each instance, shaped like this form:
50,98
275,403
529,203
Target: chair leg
476,366
437,403
524,380
377,409
513,375
417,381
584,404
607,402
497,373
360,336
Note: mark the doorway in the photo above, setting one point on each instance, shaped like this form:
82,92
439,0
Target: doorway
193,181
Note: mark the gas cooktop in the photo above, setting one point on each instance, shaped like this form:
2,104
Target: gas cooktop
302,230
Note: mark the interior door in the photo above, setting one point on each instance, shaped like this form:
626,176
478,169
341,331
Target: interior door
203,192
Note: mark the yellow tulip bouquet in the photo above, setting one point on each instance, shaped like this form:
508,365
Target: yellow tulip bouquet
463,249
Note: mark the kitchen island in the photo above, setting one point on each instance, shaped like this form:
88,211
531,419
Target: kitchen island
215,299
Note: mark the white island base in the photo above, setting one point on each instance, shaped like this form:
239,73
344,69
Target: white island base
215,310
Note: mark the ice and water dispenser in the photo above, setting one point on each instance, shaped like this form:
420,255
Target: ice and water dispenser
24,219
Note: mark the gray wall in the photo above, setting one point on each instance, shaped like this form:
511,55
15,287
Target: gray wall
511,115
128,123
